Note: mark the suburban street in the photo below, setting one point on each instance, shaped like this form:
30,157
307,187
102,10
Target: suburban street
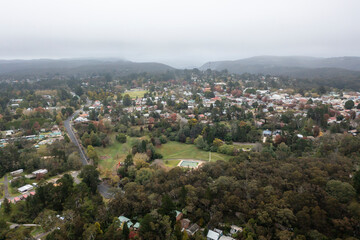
104,190
71,134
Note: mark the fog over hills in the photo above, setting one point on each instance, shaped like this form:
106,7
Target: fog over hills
294,66
78,66
290,65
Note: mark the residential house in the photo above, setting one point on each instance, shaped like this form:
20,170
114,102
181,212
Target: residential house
226,238
184,223
192,229
331,120
212,235
25,188
40,172
136,226
267,133
179,215
17,172
124,220
9,133
235,229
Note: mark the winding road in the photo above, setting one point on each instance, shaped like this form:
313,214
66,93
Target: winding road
104,190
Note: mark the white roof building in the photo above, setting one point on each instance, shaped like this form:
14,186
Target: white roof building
17,172
25,188
212,235
40,171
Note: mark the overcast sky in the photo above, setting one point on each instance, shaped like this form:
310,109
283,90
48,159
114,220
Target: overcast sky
182,33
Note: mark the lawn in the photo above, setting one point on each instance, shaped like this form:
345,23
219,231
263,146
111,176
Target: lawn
245,146
172,153
115,153
13,192
176,150
36,231
136,94
171,163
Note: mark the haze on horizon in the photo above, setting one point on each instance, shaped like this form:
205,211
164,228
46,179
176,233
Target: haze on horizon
179,33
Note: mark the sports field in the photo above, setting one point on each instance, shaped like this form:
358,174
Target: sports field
176,150
172,153
136,93
115,153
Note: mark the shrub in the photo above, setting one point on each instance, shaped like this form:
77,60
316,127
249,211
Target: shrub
163,139
121,138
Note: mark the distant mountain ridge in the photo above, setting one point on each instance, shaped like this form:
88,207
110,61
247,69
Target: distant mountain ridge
309,67
293,66
78,66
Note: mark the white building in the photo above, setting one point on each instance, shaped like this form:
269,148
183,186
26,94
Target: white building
212,235
25,188
17,172
40,171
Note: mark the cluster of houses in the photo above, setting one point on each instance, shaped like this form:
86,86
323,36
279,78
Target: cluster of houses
217,234
191,229
44,138
35,174
22,197
133,227
28,189
15,103
278,101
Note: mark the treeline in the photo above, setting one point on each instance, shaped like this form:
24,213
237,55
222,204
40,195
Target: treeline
273,198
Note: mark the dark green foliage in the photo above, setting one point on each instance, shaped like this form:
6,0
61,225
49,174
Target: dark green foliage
167,207
90,176
209,94
125,232
127,100
128,161
6,206
121,138
343,192
145,226
349,104
356,180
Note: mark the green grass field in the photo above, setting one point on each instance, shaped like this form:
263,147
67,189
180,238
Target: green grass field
176,150
245,146
36,231
171,151
13,192
134,94
112,155
171,163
